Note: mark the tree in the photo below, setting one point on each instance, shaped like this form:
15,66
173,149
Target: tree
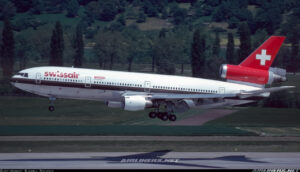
7,9
149,8
171,49
7,49
57,46
216,45
23,50
135,42
245,41
72,8
259,37
110,46
230,57
141,17
78,47
294,51
37,6
198,54
179,16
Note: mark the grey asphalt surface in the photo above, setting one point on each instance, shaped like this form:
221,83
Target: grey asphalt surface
151,160
147,138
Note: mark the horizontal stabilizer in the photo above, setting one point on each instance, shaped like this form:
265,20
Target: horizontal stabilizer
247,94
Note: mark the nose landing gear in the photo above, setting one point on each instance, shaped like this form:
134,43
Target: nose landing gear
51,108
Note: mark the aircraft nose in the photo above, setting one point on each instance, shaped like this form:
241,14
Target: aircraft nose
13,79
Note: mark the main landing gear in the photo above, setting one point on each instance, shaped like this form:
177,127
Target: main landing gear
51,108
163,116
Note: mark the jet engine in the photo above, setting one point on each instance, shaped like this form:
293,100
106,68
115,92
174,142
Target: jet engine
252,75
136,103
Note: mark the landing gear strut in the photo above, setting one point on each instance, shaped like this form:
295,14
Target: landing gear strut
51,108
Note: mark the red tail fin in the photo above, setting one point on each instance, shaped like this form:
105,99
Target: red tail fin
263,57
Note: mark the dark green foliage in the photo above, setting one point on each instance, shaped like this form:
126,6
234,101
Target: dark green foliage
141,17
110,47
164,13
78,46
37,7
216,45
179,16
103,10
245,41
24,23
150,9
57,46
294,64
269,18
259,37
231,11
198,54
162,33
22,5
7,9
121,20
23,50
230,56
7,49
72,8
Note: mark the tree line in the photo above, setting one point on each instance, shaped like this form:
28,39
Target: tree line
199,48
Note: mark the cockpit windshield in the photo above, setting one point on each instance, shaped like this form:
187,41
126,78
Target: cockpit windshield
22,74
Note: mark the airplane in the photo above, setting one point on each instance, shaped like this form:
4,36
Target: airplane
135,91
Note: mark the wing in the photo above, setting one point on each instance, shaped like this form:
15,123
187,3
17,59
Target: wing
247,94
172,96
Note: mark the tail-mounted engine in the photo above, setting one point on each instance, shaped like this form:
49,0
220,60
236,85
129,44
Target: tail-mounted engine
252,75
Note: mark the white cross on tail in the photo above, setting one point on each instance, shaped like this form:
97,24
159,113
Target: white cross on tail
263,57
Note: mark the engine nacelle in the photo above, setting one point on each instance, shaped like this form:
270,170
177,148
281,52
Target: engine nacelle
136,103
252,75
115,104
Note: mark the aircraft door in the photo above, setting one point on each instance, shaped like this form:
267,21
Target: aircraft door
38,78
147,86
221,90
87,82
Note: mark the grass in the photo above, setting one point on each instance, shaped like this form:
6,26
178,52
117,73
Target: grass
261,117
30,116
123,130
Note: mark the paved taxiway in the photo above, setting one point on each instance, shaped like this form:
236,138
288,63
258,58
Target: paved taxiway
153,160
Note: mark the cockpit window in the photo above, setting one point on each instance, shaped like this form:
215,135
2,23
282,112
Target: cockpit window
23,74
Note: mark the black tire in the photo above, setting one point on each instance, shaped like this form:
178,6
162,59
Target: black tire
165,117
51,108
152,114
172,117
159,114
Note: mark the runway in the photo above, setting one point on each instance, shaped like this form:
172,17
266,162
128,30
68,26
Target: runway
163,159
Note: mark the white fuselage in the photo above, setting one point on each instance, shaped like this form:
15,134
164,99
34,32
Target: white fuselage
104,85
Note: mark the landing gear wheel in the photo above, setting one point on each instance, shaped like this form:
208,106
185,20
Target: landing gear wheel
152,115
172,117
159,114
164,117
51,108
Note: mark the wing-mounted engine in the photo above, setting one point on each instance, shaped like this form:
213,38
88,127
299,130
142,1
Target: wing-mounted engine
136,103
252,75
